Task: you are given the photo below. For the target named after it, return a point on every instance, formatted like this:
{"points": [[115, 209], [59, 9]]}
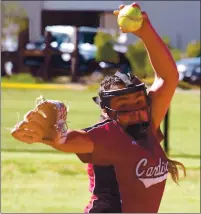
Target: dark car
{"points": [[194, 76], [62, 41], [189, 70]]}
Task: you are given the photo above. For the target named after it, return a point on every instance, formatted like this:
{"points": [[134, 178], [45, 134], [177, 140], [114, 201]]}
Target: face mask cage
{"points": [[105, 97], [121, 113], [137, 111]]}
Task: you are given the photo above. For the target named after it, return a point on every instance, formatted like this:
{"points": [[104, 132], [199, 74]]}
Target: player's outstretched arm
{"points": [[77, 141], [46, 123]]}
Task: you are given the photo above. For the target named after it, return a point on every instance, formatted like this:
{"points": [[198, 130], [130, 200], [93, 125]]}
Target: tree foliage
{"points": [[105, 51], [15, 18], [193, 49]]}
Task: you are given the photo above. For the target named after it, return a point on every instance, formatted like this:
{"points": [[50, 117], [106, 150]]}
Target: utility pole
{"points": [[75, 58], [166, 131]]}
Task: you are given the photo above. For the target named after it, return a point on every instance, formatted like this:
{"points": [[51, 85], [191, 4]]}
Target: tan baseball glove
{"points": [[46, 122]]}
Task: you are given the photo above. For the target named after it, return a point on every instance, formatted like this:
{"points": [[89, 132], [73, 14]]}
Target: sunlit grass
{"points": [[44, 180]]}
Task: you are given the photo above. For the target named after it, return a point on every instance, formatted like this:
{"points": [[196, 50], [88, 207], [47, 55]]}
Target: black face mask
{"points": [[138, 131]]}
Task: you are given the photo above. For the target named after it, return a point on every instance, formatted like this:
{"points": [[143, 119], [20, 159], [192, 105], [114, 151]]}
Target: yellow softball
{"points": [[130, 18]]}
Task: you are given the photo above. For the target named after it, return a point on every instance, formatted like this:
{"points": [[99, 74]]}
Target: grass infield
{"points": [[36, 178]]}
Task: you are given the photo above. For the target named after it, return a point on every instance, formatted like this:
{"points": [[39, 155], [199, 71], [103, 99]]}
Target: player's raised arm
{"points": [[47, 124], [166, 74]]}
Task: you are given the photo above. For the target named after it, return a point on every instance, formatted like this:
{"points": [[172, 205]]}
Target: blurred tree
{"points": [[14, 19], [148, 68], [193, 49], [104, 44], [167, 41], [176, 53], [136, 54]]}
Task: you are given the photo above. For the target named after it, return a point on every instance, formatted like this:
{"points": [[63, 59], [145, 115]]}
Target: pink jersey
{"points": [[141, 174]]}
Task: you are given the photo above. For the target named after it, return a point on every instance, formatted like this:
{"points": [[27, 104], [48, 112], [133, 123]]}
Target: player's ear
{"points": [[104, 113]]}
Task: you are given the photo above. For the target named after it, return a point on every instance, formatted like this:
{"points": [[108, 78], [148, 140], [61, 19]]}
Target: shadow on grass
{"points": [[182, 155]]}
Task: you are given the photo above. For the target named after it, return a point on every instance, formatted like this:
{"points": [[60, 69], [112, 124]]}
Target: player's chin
{"points": [[136, 122], [132, 121], [126, 123]]}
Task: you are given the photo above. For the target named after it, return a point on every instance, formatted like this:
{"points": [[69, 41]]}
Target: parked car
{"points": [[63, 42], [189, 70]]}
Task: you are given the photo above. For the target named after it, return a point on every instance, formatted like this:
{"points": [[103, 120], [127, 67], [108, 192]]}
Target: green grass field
{"points": [[36, 178]]}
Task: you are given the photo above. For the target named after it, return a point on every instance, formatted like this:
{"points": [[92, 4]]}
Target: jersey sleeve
{"points": [[85, 158], [103, 137]]}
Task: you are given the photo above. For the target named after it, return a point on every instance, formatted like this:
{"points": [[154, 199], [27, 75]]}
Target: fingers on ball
{"points": [[134, 4], [121, 6], [116, 12]]}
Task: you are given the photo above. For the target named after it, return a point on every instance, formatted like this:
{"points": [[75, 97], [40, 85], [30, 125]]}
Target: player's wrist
{"points": [[47, 141], [146, 32], [59, 137]]}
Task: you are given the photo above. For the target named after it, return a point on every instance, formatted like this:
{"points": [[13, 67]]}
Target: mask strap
{"points": [[124, 78]]}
